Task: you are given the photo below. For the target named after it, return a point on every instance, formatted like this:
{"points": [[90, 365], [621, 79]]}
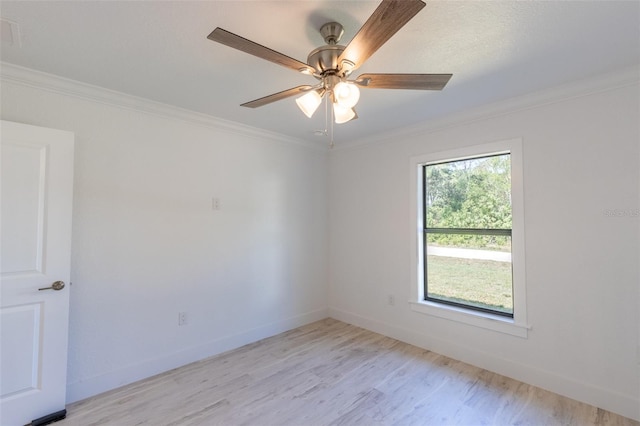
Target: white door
{"points": [[35, 232]]}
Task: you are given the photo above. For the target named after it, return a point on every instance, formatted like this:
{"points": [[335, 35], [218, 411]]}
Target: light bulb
{"points": [[342, 114], [346, 94], [309, 102]]}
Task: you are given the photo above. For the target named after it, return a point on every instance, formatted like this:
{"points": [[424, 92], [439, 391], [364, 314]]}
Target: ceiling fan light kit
{"points": [[332, 64], [309, 102], [346, 94], [342, 114]]}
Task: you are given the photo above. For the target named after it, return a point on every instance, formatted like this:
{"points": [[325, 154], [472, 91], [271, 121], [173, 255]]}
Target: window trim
{"points": [[517, 325]]}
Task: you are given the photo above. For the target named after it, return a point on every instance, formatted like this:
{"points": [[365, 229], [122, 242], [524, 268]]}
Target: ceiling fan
{"points": [[332, 64]]}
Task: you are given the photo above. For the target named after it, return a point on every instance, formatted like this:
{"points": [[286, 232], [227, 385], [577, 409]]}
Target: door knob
{"points": [[58, 285]]}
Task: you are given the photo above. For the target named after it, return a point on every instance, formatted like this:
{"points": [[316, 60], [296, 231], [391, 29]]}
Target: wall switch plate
{"points": [[182, 318], [215, 203]]}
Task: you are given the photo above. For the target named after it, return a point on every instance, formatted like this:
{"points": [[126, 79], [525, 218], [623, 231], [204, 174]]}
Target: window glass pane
{"points": [[473, 193], [479, 277]]}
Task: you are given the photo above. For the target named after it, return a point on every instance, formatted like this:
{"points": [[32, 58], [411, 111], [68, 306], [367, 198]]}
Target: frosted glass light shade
{"points": [[342, 114], [346, 94], [309, 103]]}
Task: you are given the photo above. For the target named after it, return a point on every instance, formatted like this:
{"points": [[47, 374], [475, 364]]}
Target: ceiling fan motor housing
{"points": [[325, 59]]}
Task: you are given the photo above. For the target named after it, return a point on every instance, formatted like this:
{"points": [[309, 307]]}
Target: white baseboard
{"points": [[624, 405], [114, 379]]}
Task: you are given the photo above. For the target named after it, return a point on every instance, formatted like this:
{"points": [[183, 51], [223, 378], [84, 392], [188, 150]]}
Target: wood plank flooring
{"points": [[332, 373]]}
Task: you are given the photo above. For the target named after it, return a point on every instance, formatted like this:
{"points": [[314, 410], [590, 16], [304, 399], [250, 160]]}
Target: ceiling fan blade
{"points": [[403, 81], [277, 96], [386, 20], [240, 43]]}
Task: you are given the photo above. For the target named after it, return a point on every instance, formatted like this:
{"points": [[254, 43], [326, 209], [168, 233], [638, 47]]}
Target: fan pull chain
{"points": [[328, 131], [331, 144], [326, 115]]}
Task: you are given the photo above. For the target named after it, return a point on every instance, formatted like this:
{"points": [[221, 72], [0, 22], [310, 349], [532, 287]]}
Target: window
{"points": [[468, 251], [467, 237]]}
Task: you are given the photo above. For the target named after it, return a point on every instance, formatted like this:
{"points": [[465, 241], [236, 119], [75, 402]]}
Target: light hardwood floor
{"points": [[332, 373]]}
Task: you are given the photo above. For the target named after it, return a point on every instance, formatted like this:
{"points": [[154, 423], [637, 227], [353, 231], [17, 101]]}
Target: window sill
{"points": [[474, 318]]}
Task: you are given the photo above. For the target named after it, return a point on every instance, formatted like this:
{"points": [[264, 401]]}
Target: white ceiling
{"points": [[158, 50]]}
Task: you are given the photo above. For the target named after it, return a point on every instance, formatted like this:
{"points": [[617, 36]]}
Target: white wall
{"points": [[147, 244], [581, 158]]}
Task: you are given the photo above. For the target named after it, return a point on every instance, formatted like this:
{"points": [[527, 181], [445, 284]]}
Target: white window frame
{"points": [[516, 326]]}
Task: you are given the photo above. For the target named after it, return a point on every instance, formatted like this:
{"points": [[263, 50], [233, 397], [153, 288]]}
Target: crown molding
{"points": [[15, 74], [625, 77]]}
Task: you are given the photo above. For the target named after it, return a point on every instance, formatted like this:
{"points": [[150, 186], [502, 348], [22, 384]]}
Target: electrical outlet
{"points": [[215, 203], [391, 300], [182, 318]]}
